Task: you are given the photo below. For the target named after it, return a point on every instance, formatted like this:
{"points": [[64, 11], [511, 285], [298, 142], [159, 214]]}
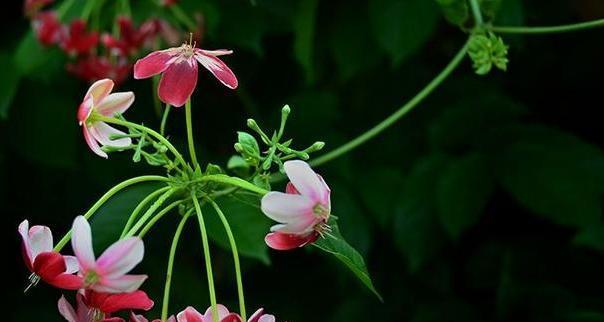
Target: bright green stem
{"points": [[106, 197], [477, 13], [140, 208], [234, 181], [157, 217], [90, 4], [149, 131], [371, 133], [126, 8], [190, 133], [227, 228], [166, 301], [164, 119], [208, 259], [160, 201], [548, 30]]}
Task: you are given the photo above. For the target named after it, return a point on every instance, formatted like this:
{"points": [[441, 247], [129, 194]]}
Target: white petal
{"points": [[305, 180], [103, 132], [115, 103], [99, 90], [71, 264], [123, 284], [285, 208], [81, 242], [67, 310], [121, 257], [24, 232], [40, 240]]}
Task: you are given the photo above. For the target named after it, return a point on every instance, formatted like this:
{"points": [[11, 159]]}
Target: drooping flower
{"points": [[190, 314], [32, 7], [108, 273], [44, 263], [131, 39], [77, 40], [302, 212], [83, 313], [48, 28], [140, 318], [178, 66], [93, 68], [98, 100]]}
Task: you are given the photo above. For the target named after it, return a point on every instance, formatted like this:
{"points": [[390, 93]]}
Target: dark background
{"points": [[484, 204]]}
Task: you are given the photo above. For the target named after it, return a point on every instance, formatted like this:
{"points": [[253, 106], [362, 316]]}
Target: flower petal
{"points": [[115, 103], [67, 281], [281, 241], [222, 313], [284, 208], [231, 317], [121, 257], [305, 180], [178, 83], [84, 110], [256, 316], [25, 246], [71, 264], [110, 303], [40, 240], [267, 318], [153, 64], [190, 314], [67, 310], [99, 90], [103, 132], [92, 143], [217, 52], [137, 318], [123, 284], [81, 242], [217, 67]]}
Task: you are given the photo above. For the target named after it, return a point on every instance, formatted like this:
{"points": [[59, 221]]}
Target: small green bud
{"points": [[251, 123], [316, 146], [487, 50], [285, 110], [238, 147]]}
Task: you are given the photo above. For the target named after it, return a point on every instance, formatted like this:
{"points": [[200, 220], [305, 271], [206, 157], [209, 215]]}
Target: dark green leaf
{"points": [[9, 78], [304, 31], [381, 202]]}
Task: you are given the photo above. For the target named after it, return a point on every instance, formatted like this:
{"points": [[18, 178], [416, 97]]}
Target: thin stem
{"points": [[234, 181], [157, 217], [190, 133], [166, 300], [126, 8], [227, 228], [208, 259], [140, 207], [160, 201], [106, 197], [479, 21], [88, 9], [164, 119], [550, 29], [371, 133]]}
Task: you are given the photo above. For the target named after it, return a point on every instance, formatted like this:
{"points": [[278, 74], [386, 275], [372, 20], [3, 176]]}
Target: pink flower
{"points": [[140, 318], [131, 38], [98, 100], [107, 274], [303, 211], [46, 264], [48, 28], [83, 313], [190, 314], [259, 316], [179, 68], [77, 41]]}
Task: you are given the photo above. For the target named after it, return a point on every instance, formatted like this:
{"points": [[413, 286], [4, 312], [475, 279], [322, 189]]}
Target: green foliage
{"points": [[455, 11], [10, 82], [304, 30]]}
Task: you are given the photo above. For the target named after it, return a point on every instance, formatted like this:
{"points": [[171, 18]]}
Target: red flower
{"points": [[98, 307], [131, 39], [47, 28], [32, 7], [93, 68], [77, 41], [179, 68]]}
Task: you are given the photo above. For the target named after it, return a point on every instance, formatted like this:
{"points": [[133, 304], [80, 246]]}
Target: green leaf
{"points": [[380, 205], [248, 223], [402, 27], [455, 11], [249, 143], [9, 78], [337, 246], [463, 192], [33, 60], [304, 36]]}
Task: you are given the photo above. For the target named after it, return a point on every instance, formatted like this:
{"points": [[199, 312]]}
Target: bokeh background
{"points": [[483, 204]]}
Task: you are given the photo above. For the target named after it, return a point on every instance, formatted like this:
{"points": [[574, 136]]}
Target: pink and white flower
{"points": [[46, 264], [178, 66], [259, 316], [190, 314], [96, 307], [302, 212], [99, 100], [108, 273]]}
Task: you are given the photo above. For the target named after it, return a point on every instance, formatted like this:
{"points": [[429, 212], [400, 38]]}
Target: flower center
{"points": [[91, 278], [188, 49], [97, 315], [321, 211]]}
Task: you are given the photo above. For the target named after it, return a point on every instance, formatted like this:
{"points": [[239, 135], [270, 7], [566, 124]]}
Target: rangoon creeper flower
{"points": [[94, 307], [98, 100], [107, 274], [259, 316], [190, 314], [179, 68], [140, 318], [303, 211], [46, 264]]}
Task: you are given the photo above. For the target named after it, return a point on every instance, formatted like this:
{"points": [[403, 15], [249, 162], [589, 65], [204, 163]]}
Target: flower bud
{"points": [[487, 50]]}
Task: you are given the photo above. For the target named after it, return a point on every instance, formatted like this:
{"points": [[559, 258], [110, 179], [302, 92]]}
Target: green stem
{"points": [[140, 207], [547, 30], [233, 244], [139, 127], [64, 8], [90, 4], [479, 21], [126, 8], [208, 259], [234, 181], [190, 133], [371, 133], [106, 197], [166, 300], [164, 119], [160, 201], [157, 217]]}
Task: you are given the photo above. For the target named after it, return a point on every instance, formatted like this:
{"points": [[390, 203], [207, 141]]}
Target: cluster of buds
{"points": [[487, 50]]}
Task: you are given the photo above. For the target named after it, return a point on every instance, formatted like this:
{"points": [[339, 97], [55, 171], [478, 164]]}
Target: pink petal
{"points": [[67, 310], [92, 143], [99, 90], [281, 241], [24, 232], [284, 208], [84, 312], [178, 82], [222, 312], [153, 64], [123, 284], [305, 180], [267, 318], [40, 240], [190, 314], [84, 110], [232, 317], [103, 132], [256, 316], [81, 242], [115, 103], [67, 281], [110, 303], [217, 67], [217, 52], [71, 264], [121, 257], [137, 318]]}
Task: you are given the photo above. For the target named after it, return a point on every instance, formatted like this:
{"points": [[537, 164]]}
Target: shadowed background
{"points": [[484, 204]]}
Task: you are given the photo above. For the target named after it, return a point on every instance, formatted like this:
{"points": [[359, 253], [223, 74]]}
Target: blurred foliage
{"points": [[484, 204]]}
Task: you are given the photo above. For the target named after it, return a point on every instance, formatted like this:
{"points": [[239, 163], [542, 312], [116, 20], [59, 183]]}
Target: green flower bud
{"points": [[487, 50]]}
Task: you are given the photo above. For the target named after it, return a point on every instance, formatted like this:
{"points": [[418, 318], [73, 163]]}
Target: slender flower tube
{"points": [[46, 264], [99, 100], [178, 66], [108, 273], [302, 211]]}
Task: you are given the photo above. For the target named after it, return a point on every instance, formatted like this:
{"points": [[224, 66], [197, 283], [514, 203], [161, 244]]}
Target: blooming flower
{"points": [[303, 211], [98, 100], [48, 28], [92, 306], [83, 313], [179, 68], [131, 39], [259, 316], [190, 314], [46, 264], [77, 41], [107, 274]]}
